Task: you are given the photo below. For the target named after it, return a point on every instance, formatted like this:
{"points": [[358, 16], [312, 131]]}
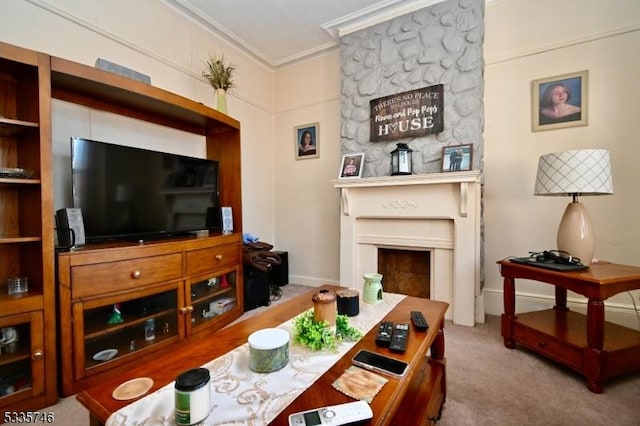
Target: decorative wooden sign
{"points": [[409, 114]]}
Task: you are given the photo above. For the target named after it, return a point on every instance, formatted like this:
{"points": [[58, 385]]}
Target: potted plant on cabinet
{"points": [[220, 76]]}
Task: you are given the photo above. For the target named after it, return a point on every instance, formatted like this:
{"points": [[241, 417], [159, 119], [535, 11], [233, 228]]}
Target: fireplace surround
{"points": [[437, 212]]}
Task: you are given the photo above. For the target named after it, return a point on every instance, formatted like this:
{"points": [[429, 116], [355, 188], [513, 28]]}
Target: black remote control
{"points": [[418, 320], [383, 338], [399, 338]]}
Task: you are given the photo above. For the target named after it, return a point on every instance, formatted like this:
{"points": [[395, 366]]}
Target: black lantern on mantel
{"points": [[401, 162]]}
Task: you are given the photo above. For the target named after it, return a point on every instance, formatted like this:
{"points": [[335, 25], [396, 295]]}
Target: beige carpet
{"points": [[488, 384]]}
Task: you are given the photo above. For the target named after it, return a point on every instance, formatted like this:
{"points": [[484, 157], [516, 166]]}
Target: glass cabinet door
{"points": [[211, 296], [114, 331], [22, 356]]}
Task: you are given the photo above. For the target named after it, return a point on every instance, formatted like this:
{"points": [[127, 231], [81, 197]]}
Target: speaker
{"points": [[279, 274], [256, 289], [70, 228], [212, 221], [227, 220]]}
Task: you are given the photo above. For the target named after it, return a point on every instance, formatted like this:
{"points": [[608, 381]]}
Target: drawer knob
{"points": [[136, 274], [218, 257], [186, 310], [542, 344], [37, 355]]}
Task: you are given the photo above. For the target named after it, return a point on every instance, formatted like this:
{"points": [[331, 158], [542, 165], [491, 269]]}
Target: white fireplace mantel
{"points": [[437, 212]]}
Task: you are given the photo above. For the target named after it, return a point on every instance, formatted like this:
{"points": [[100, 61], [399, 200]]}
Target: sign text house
{"points": [[409, 114]]}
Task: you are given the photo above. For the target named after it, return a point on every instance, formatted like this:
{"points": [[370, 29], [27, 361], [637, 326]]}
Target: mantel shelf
{"points": [[423, 179]]}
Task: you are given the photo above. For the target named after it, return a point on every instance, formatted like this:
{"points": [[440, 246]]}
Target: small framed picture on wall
{"points": [[306, 139], [559, 101], [351, 165], [457, 158]]}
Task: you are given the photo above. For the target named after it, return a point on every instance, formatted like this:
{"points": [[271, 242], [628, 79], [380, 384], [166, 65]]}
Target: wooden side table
{"points": [[591, 346]]}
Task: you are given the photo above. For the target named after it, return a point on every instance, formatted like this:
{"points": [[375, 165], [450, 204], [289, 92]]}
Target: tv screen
{"points": [[133, 193]]}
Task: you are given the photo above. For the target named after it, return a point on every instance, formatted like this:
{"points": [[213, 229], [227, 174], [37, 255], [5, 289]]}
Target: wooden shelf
{"points": [[14, 240], [213, 294], [571, 327], [96, 329], [124, 353], [20, 355], [19, 181], [10, 127], [94, 87], [32, 300]]}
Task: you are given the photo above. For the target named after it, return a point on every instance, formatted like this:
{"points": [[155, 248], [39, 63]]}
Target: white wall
{"points": [[527, 40], [307, 212]]}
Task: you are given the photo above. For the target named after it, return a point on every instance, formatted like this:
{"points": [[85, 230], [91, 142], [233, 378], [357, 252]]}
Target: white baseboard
{"points": [[617, 313], [311, 281]]}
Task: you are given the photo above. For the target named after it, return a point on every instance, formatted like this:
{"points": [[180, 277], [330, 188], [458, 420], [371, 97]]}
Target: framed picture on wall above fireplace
{"points": [[559, 101], [306, 138]]}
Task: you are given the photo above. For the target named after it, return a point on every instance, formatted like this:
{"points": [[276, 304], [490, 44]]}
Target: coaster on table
{"points": [[132, 388], [359, 383]]}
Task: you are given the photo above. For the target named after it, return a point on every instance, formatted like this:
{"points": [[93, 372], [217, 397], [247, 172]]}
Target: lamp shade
{"points": [[579, 172]]}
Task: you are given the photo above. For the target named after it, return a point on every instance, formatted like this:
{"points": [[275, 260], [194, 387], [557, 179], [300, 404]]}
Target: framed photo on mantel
{"points": [[457, 158], [352, 165]]}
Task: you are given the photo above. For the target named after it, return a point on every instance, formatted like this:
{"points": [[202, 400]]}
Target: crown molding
{"points": [[373, 15]]}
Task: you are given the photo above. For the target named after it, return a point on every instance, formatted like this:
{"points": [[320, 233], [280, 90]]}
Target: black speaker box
{"points": [[70, 227], [279, 274], [256, 289]]}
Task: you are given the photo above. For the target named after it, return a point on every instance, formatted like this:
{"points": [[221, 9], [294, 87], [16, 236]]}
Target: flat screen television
{"points": [[128, 193]]}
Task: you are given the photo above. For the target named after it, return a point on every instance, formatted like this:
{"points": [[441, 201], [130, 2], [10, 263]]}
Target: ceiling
{"points": [[278, 32]]}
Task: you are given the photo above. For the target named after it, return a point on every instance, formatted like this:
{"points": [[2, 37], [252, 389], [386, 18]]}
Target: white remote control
{"points": [[341, 414]]}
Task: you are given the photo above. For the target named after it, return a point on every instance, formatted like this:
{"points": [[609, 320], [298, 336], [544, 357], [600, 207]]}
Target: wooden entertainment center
{"points": [[184, 276]]}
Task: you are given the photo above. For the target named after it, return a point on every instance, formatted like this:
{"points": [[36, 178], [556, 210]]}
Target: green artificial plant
{"points": [[318, 336]]}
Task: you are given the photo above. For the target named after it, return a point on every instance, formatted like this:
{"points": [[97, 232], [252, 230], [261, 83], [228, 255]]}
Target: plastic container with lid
{"points": [[192, 396], [268, 350]]}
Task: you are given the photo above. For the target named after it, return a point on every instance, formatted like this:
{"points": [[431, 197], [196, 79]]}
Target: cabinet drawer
{"points": [[109, 277], [565, 353], [200, 261]]}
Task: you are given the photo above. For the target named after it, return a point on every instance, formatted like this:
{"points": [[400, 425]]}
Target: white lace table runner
{"points": [[240, 396]]}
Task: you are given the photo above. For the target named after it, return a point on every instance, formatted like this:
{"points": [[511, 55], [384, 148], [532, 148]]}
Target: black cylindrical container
{"points": [[348, 302]]}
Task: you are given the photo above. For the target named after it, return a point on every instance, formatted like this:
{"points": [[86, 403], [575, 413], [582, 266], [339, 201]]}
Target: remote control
{"points": [[341, 414], [399, 338], [418, 320], [385, 330]]}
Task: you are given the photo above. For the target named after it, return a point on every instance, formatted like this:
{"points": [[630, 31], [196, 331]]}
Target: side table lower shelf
{"points": [[562, 336]]}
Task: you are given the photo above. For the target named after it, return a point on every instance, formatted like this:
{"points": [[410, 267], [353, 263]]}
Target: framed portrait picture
{"points": [[351, 165], [306, 138], [559, 101], [457, 158]]}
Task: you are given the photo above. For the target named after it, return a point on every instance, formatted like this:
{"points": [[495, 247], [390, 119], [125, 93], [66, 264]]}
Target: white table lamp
{"points": [[575, 173]]}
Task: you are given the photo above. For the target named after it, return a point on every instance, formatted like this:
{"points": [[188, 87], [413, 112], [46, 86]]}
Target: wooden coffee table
{"points": [[418, 396]]}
